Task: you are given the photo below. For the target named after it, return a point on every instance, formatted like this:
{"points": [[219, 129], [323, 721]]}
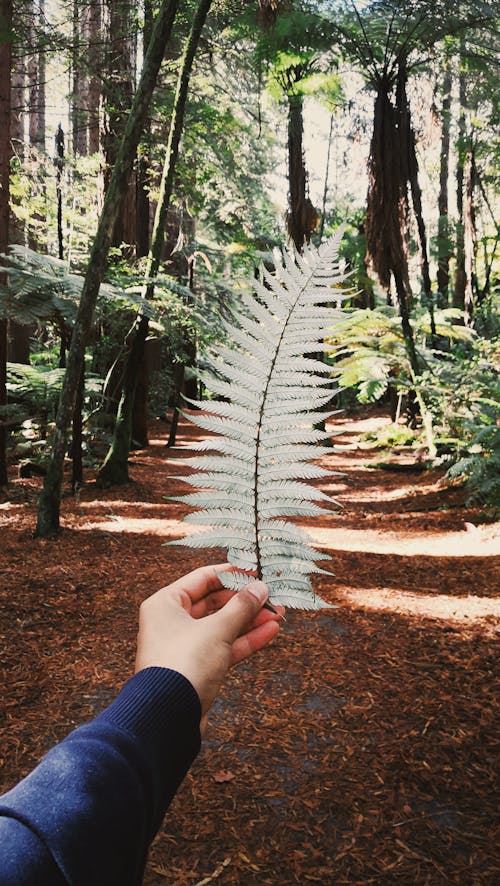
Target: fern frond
{"points": [[275, 390]]}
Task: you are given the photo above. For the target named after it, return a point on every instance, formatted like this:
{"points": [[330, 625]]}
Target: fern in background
{"points": [[273, 395]]}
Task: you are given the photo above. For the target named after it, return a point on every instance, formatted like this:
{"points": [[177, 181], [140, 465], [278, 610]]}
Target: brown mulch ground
{"points": [[361, 748]]}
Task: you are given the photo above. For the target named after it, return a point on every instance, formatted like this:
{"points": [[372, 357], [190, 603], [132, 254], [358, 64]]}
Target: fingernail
{"points": [[259, 590]]}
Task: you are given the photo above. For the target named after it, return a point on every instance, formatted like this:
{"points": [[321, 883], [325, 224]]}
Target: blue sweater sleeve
{"points": [[89, 811]]}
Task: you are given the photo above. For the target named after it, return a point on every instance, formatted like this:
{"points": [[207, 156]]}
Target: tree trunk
{"points": [[114, 468], [140, 437], [79, 103], [143, 162], [77, 436], [460, 276], [387, 202], [470, 238], [18, 90], [49, 505], [94, 82], [416, 193], [5, 95], [59, 164], [443, 272], [118, 91], [387, 199], [36, 75], [301, 217]]}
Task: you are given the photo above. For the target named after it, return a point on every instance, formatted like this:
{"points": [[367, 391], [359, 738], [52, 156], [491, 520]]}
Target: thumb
{"points": [[238, 614]]}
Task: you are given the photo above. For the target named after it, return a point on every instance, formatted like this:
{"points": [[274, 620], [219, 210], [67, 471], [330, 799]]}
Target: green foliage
{"points": [[464, 394], [392, 435], [371, 353], [40, 288]]}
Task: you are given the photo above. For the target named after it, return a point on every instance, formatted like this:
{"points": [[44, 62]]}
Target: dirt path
{"points": [[359, 749]]}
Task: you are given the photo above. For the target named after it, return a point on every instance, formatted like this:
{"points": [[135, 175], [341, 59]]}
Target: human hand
{"points": [[199, 629]]}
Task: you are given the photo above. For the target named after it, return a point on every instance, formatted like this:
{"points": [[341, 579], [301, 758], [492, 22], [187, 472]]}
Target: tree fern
{"points": [[274, 394]]}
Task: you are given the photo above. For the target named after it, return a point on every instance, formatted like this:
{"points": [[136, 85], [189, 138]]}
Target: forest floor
{"points": [[360, 748]]}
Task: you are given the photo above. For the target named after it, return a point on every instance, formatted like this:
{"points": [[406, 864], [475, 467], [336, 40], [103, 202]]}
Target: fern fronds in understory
{"points": [[274, 394]]}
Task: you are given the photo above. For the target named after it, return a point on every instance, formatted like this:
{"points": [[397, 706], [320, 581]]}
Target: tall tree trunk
{"points": [[143, 162], [443, 272], [94, 81], [59, 164], [18, 335], [79, 98], [18, 90], [36, 75], [114, 469], [460, 276], [416, 194], [470, 238], [49, 504], [36, 119], [118, 91], [77, 436], [5, 95]]}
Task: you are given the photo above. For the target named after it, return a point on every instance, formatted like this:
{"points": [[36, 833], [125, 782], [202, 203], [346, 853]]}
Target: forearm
{"points": [[96, 800]]}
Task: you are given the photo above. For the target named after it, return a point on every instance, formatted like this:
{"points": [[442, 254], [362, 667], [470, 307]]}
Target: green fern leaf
{"points": [[265, 435]]}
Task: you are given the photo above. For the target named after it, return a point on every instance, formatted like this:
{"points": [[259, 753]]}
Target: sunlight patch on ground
{"points": [[480, 541], [462, 609], [112, 504], [401, 492], [137, 525]]}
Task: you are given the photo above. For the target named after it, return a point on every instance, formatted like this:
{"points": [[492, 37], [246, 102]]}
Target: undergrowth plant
{"points": [[274, 390]]}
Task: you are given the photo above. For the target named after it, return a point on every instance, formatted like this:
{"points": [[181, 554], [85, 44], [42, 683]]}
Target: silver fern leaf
{"points": [[265, 436]]}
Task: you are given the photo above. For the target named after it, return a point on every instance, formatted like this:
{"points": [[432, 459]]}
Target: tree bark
{"points": [[18, 89], [114, 469], [470, 238], [460, 276], [118, 91], [302, 217], [77, 436], [143, 162], [36, 75], [94, 83], [5, 95], [443, 272], [416, 194], [79, 103], [49, 505]]}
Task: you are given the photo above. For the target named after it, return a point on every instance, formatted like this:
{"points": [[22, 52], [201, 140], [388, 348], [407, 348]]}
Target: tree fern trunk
{"points": [[49, 505]]}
